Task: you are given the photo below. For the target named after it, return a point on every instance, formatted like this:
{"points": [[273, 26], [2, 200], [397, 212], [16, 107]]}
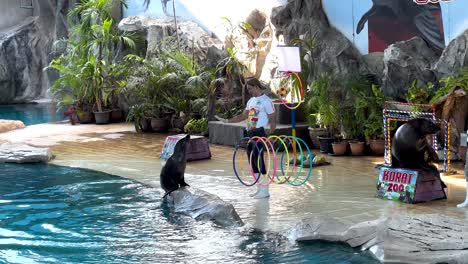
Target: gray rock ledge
{"points": [[202, 205], [22, 153], [404, 239]]}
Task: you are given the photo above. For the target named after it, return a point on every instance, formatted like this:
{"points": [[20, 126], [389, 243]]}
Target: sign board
{"points": [[289, 58], [169, 144], [397, 184]]}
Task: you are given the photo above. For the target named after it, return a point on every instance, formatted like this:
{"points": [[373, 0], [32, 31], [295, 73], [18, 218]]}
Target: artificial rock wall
{"points": [[26, 47]]}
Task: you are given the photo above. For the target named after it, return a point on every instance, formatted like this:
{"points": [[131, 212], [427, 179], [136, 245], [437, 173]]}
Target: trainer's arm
{"points": [[239, 118], [272, 119]]}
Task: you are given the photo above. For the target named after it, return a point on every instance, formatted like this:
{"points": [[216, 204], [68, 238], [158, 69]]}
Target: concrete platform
{"points": [[230, 133]]}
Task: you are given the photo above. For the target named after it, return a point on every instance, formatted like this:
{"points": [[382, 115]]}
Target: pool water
{"points": [[31, 114], [52, 214]]}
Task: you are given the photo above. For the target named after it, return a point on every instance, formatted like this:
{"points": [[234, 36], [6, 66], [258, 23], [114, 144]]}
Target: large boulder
{"points": [[254, 44], [405, 62], [333, 52], [403, 239], [21, 63], [374, 66], [8, 125], [202, 205], [192, 38], [22, 153], [454, 57]]}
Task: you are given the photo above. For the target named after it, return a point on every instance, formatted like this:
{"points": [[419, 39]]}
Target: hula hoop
{"points": [[289, 161], [272, 177], [282, 157], [234, 164], [268, 143], [301, 92], [298, 174], [302, 163]]}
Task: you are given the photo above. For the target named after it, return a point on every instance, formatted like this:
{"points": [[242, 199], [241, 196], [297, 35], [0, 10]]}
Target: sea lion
{"points": [[410, 148], [172, 173]]}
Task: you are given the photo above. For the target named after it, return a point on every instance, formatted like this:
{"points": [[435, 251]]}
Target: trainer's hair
{"points": [[254, 82]]}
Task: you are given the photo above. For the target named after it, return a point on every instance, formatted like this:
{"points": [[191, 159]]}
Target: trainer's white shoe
{"points": [[262, 192]]}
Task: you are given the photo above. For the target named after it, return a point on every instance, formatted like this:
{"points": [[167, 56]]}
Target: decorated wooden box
{"points": [[197, 149], [409, 186]]}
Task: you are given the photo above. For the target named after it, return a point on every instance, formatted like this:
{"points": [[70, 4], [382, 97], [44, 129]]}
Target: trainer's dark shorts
{"points": [[257, 151]]}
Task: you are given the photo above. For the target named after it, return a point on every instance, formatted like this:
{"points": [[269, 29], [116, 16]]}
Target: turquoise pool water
{"points": [[31, 114], [51, 214]]}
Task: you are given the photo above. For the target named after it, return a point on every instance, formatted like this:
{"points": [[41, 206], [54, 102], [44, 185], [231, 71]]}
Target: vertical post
{"points": [[293, 126]]}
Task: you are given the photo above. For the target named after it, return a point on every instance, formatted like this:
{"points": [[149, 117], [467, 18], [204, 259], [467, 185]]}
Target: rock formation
{"points": [[254, 44], [8, 125], [193, 39], [201, 205], [25, 51], [403, 239], [454, 57], [22, 153], [21, 63], [333, 52], [405, 62]]}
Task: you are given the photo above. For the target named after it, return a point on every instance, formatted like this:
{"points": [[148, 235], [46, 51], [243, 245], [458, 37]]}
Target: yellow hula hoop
{"points": [[287, 157]]}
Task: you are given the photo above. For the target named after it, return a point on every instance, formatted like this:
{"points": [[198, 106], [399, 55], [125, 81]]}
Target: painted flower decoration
{"points": [[283, 92]]}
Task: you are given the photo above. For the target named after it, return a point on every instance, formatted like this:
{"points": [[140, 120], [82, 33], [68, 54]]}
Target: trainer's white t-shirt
{"points": [[259, 108]]}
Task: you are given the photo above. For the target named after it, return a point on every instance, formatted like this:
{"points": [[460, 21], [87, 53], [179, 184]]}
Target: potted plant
{"points": [[67, 90], [139, 114], [93, 45], [159, 118], [321, 101], [369, 105], [352, 123], [102, 43], [160, 84], [315, 130]]}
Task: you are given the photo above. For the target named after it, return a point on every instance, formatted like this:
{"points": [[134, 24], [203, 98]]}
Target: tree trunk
{"points": [[455, 111], [211, 106]]}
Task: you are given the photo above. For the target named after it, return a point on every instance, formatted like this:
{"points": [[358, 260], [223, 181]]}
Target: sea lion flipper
{"points": [[169, 192], [183, 183], [364, 18]]}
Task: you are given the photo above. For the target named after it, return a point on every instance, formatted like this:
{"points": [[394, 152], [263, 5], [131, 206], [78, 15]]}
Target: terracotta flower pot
{"points": [[377, 146], [357, 148], [339, 148]]}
